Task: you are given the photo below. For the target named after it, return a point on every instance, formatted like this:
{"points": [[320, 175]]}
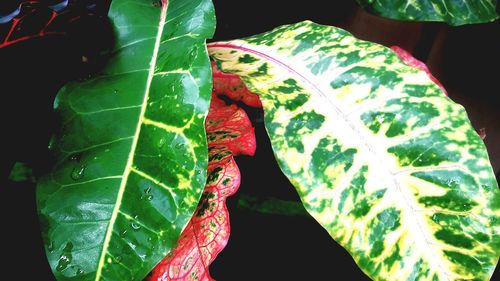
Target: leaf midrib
{"points": [[343, 116], [128, 166]]}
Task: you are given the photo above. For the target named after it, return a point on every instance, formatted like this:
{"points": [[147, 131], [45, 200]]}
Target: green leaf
{"points": [[454, 12], [380, 157], [271, 206], [229, 133], [132, 152], [21, 172]]}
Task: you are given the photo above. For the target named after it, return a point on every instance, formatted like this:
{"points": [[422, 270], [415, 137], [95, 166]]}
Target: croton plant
{"points": [[379, 155]]}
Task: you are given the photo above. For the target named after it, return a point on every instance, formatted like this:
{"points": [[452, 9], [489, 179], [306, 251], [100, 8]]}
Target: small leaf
{"points": [[454, 12], [21, 173], [272, 206], [131, 154], [380, 157], [229, 133]]}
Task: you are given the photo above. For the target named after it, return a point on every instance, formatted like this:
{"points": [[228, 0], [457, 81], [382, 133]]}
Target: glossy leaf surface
{"points": [[131, 153], [410, 60], [229, 133], [230, 85], [454, 12], [380, 157]]}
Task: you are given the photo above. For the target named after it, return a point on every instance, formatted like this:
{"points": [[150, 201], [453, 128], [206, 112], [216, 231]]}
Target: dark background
{"points": [[262, 246]]}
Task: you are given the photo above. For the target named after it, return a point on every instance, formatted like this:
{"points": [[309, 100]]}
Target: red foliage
{"points": [[231, 86], [35, 19], [229, 133], [410, 60]]}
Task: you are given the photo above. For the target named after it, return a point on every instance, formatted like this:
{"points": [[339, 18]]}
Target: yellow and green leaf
{"points": [[132, 151], [380, 156], [453, 12]]}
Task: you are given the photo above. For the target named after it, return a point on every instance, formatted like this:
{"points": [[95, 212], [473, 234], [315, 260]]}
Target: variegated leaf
{"points": [[380, 157], [454, 12], [229, 133], [131, 152], [410, 60], [231, 86]]}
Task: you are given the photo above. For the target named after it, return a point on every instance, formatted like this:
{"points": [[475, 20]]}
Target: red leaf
{"points": [[410, 60], [229, 133], [231, 86], [34, 19]]}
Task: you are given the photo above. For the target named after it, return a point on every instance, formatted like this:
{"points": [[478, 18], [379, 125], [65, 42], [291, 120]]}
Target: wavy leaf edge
{"points": [[379, 91]]}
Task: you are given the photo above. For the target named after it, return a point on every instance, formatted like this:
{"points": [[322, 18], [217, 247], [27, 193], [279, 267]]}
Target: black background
{"points": [[261, 246]]}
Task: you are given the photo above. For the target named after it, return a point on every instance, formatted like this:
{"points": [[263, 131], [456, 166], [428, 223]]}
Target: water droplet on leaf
{"points": [[156, 3], [135, 226], [80, 271], [63, 263], [51, 142], [162, 142], [50, 247], [65, 258], [76, 157], [193, 53], [147, 195], [78, 172]]}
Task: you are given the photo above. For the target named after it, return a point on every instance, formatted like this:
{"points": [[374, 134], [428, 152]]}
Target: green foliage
{"points": [[21, 173], [453, 12], [132, 152], [379, 155]]}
